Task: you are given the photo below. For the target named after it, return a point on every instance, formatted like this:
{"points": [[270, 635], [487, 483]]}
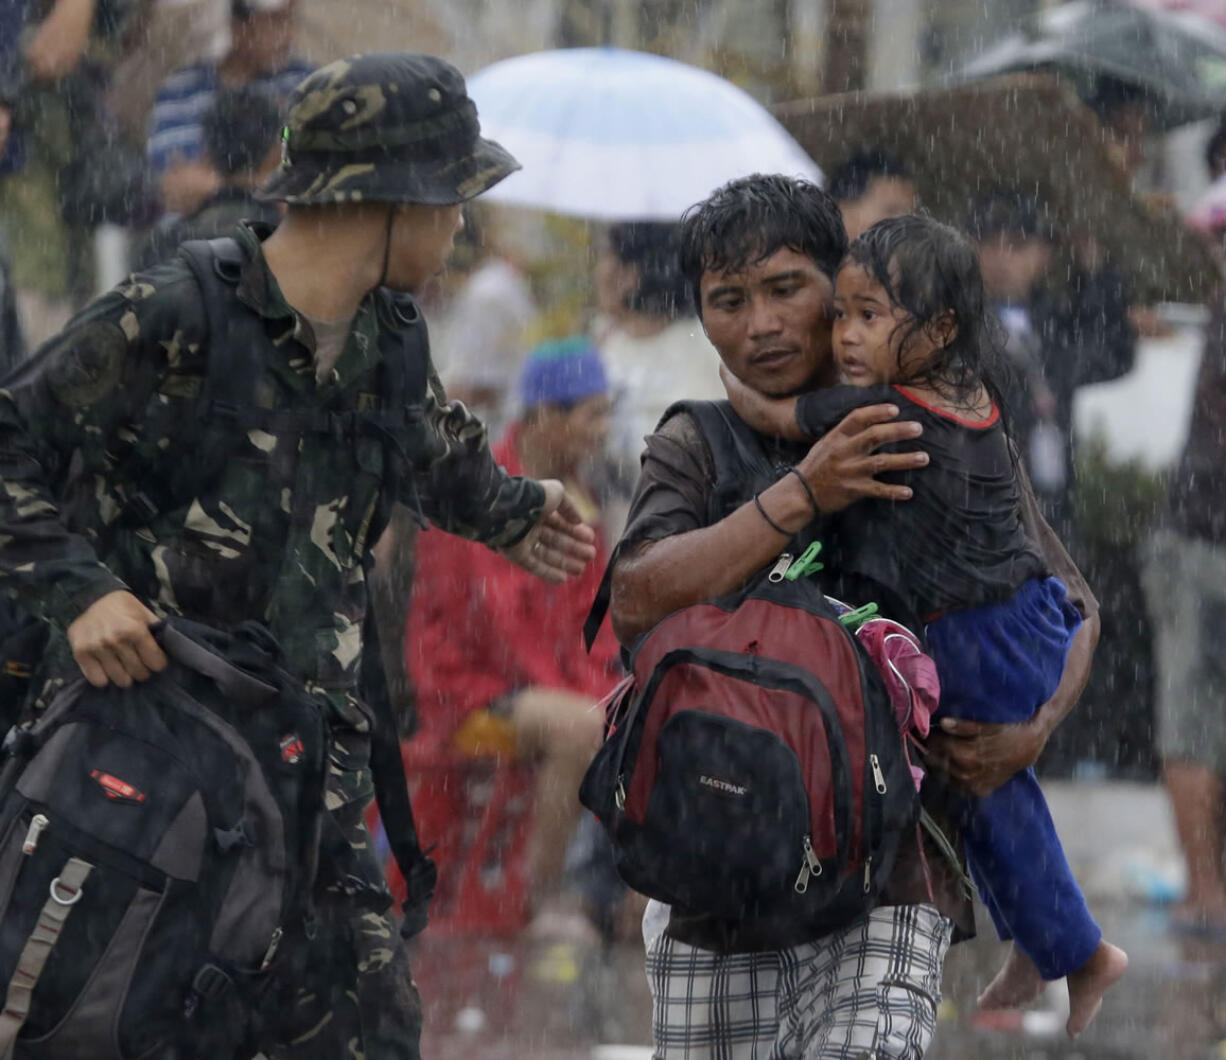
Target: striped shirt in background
{"points": [[176, 125]]}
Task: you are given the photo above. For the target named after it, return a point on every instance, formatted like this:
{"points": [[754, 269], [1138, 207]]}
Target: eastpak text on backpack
{"points": [[753, 767]]}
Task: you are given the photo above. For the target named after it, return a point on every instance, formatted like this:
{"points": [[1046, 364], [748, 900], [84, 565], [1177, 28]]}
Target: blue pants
{"points": [[999, 663]]}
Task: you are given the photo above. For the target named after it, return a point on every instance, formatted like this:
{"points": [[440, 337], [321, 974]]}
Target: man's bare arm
{"points": [[663, 576]]}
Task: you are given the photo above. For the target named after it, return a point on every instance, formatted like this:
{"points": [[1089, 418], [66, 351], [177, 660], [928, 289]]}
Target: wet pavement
{"points": [[487, 999], [496, 1000]]}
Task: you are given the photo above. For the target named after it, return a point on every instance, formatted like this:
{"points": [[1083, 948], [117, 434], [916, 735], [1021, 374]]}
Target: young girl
{"points": [[910, 329]]}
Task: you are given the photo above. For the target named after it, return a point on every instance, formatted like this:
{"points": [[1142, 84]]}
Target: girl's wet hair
{"points": [[930, 270]]}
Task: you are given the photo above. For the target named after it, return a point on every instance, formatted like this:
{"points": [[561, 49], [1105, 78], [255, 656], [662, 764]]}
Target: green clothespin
{"points": [[807, 563], [853, 620]]}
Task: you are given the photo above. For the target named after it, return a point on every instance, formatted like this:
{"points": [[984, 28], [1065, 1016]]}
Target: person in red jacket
{"points": [[497, 657]]}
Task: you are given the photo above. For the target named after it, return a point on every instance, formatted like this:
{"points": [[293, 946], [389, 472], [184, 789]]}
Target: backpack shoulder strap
{"points": [[742, 468], [404, 344], [392, 787], [217, 265]]}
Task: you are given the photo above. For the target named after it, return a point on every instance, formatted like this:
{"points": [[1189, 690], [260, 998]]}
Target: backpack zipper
{"points": [[38, 824], [868, 873], [780, 568], [878, 776], [271, 952], [810, 866]]}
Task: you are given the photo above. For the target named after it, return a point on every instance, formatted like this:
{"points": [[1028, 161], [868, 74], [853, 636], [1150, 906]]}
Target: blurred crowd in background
{"points": [[127, 126]]}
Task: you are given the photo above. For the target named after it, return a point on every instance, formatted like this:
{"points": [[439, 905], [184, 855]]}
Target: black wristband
{"points": [[817, 510], [757, 500]]}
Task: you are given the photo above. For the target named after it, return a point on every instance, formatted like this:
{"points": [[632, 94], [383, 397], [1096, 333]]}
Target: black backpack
{"points": [[753, 768], [158, 850]]}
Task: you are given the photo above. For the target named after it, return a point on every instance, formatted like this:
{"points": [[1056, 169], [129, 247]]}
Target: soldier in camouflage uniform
{"points": [[380, 150]]}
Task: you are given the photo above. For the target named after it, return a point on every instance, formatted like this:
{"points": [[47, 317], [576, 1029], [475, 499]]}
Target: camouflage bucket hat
{"points": [[385, 127]]}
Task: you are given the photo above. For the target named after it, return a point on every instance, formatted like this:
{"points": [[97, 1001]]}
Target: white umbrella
{"points": [[611, 134]]}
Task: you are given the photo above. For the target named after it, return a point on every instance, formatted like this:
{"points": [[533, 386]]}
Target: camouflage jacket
{"points": [[279, 534]]}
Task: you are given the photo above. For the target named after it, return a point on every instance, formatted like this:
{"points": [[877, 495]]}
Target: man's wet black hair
{"points": [[650, 247], [850, 180], [240, 129], [748, 220], [930, 270]]}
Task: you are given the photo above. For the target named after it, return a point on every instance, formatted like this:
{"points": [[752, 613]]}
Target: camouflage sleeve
{"points": [[462, 489], [72, 404]]}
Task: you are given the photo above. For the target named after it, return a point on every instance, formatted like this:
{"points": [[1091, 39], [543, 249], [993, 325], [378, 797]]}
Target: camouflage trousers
{"points": [[358, 1001], [349, 993]]}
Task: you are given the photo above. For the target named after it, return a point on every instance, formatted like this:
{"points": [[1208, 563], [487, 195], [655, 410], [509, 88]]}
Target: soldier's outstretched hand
{"points": [[561, 544], [112, 642]]}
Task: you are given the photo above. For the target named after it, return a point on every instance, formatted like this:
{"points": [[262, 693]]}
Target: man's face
{"points": [[422, 239], [884, 197], [771, 322], [615, 282], [265, 37], [1012, 265], [577, 432]]}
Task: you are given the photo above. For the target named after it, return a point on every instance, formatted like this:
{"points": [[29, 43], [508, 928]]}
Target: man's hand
{"points": [[60, 41], [980, 756], [774, 417], [112, 643], [560, 545], [841, 467], [185, 185]]}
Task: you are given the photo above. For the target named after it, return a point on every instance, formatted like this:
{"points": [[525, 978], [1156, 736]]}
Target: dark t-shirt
{"points": [[1198, 487], [958, 542], [677, 478]]}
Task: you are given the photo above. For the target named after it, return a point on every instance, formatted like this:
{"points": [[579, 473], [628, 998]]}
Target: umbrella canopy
{"points": [[1177, 58], [611, 134], [1028, 133]]}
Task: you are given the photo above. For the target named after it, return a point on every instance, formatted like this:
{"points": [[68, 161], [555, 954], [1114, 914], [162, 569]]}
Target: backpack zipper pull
{"points": [[810, 866], [38, 825], [878, 776], [868, 873], [780, 568], [271, 952], [619, 793]]}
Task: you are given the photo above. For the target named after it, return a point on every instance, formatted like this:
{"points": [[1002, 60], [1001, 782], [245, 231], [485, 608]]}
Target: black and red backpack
{"points": [[752, 765]]}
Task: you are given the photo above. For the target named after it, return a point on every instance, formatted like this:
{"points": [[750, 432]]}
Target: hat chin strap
{"points": [[387, 244]]}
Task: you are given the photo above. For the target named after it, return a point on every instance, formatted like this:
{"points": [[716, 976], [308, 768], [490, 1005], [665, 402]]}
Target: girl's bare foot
{"points": [[1087, 985], [1016, 985]]}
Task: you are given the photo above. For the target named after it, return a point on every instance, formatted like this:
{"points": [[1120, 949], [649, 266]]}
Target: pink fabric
{"points": [[1209, 213], [909, 674], [480, 628]]}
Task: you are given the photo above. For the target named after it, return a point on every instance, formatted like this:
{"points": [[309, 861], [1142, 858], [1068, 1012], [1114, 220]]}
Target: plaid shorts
{"points": [[868, 992]]}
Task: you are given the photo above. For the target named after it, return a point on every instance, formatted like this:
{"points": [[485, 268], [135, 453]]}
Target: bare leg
{"points": [[1016, 985], [562, 731], [1196, 798], [1087, 985]]}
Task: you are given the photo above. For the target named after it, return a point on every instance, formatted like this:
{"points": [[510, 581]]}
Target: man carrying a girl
{"points": [[763, 255]]}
